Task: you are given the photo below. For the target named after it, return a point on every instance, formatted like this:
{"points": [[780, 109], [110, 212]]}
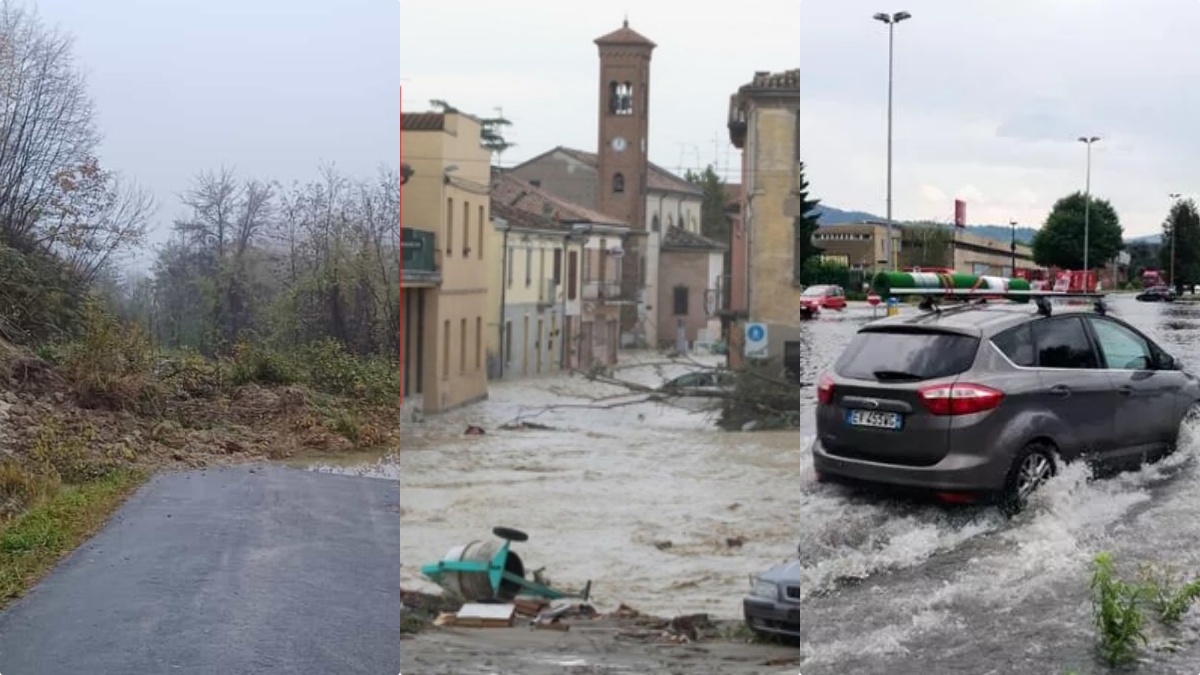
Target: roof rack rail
{"points": [[1042, 299]]}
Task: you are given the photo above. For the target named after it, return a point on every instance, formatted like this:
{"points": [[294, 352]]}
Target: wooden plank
{"points": [[482, 623], [529, 606], [485, 615]]}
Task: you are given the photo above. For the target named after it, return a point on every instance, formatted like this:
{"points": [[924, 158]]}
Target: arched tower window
{"points": [[619, 182], [620, 98], [655, 226]]}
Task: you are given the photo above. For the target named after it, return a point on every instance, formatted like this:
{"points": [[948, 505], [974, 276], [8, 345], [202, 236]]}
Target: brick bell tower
{"points": [[624, 125]]}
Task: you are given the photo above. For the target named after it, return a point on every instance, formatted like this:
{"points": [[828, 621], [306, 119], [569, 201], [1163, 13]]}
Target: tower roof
{"points": [[625, 36]]}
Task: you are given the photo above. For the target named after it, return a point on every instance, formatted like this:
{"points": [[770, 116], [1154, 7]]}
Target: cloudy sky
{"points": [[990, 94], [272, 88]]}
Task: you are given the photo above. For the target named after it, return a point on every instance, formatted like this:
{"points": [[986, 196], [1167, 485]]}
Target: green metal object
{"points": [[485, 571], [885, 282]]}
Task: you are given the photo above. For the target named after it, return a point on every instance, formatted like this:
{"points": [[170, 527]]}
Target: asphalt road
{"points": [[238, 570]]}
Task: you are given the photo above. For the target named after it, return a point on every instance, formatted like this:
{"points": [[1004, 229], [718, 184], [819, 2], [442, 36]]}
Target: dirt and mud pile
{"points": [[191, 421]]}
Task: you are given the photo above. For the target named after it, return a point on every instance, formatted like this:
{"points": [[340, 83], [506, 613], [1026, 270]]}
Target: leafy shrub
{"points": [[253, 363], [110, 363], [191, 375], [333, 370], [38, 298]]}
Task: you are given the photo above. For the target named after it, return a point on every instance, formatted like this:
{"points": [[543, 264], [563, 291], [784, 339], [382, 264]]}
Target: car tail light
{"points": [[825, 390], [960, 399]]}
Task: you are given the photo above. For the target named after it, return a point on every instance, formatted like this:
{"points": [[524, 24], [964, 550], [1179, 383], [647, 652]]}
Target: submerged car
{"points": [[981, 401], [701, 390], [702, 383], [816, 298], [1157, 294], [772, 608]]}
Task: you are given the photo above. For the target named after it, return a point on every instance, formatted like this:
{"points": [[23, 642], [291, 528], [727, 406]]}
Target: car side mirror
{"points": [[1166, 362]]}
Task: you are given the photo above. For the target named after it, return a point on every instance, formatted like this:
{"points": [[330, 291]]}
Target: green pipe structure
{"points": [[884, 282]]}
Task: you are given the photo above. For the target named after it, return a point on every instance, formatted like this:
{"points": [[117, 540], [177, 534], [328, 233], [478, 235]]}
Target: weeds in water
{"points": [[1116, 612], [1168, 593]]}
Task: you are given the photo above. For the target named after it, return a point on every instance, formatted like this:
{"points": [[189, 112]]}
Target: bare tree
{"points": [[93, 217], [213, 199], [46, 123]]}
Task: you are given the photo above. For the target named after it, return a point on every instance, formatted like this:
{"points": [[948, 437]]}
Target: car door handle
{"points": [[1125, 390], [1060, 390]]}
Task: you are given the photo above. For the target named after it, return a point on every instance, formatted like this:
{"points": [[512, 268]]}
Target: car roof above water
{"points": [[975, 319]]}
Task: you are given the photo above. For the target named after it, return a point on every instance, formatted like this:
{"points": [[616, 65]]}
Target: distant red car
{"points": [[816, 298]]}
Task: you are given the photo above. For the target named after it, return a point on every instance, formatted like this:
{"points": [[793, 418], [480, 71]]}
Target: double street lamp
{"points": [[1087, 198], [891, 20]]}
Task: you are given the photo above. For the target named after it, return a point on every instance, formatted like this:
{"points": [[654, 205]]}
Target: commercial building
{"points": [[861, 247]]}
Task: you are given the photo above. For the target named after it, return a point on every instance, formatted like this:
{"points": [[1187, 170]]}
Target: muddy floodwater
{"points": [[650, 502]]}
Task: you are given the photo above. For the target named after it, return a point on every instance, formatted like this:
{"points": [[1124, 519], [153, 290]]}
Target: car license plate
{"points": [[874, 419]]}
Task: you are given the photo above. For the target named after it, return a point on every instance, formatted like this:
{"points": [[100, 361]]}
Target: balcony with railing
{"points": [[601, 289], [724, 300], [418, 258]]}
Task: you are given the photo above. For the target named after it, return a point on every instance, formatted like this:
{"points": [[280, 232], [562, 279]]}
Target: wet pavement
{"points": [[237, 570], [889, 587]]}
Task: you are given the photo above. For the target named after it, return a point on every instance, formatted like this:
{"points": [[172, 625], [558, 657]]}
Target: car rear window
{"points": [[906, 355]]}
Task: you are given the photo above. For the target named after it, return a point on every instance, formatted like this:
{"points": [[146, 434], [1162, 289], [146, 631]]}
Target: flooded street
{"points": [[642, 498]]}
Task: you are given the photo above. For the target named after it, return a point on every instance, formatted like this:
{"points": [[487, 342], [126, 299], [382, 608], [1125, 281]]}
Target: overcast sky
{"points": [[271, 88], [990, 94]]}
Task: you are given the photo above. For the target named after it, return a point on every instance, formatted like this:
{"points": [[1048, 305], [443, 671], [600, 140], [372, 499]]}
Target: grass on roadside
{"points": [[33, 543]]}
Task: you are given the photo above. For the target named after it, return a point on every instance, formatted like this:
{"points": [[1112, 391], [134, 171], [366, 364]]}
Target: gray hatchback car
{"points": [[979, 401]]}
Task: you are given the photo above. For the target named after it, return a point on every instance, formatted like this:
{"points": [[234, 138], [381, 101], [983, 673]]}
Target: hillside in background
{"points": [[834, 216]]}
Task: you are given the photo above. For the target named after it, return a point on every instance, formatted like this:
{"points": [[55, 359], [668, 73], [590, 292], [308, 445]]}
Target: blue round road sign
{"points": [[755, 333]]}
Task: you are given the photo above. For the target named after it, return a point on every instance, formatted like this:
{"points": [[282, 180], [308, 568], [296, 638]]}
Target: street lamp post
{"points": [[891, 20], [1087, 199], [1013, 246], [1174, 197]]}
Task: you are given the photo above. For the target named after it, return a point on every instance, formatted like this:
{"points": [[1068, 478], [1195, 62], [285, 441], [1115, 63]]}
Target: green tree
{"points": [[1143, 255], [926, 244], [714, 222], [1182, 225], [805, 225], [1060, 241]]}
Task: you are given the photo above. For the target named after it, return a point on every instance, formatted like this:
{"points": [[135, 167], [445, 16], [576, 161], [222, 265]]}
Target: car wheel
{"points": [[1031, 468], [1190, 419]]}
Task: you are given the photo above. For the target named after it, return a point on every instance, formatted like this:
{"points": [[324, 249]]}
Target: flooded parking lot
{"points": [[644, 499]]}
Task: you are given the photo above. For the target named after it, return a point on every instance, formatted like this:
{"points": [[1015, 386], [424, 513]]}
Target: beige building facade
{"points": [[858, 246], [764, 123], [688, 296], [560, 278], [445, 232]]}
